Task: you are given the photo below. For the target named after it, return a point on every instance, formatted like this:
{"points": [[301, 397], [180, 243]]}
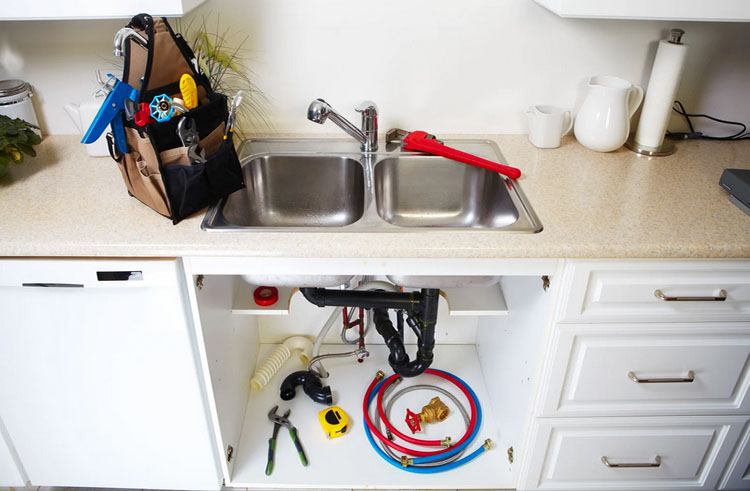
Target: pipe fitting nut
{"points": [[446, 442], [406, 461], [487, 444], [379, 375]]}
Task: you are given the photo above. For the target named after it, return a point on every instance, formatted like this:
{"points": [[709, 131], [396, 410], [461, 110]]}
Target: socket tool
{"points": [[421, 141], [232, 117], [278, 422]]}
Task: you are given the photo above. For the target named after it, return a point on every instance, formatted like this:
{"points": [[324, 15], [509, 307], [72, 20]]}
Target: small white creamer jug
{"points": [[603, 122], [82, 115], [547, 125]]}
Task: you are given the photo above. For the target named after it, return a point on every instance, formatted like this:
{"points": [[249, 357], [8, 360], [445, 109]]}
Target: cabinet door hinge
{"points": [[545, 283], [199, 282], [230, 453], [510, 454]]}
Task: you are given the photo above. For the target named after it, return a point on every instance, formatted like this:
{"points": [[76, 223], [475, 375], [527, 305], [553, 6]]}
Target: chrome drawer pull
{"points": [[633, 465], [690, 378], [660, 295]]}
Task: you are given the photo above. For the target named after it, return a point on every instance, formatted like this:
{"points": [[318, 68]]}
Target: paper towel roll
{"points": [[662, 87]]}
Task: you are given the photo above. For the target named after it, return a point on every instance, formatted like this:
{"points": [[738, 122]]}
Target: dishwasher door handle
{"points": [[52, 285]]}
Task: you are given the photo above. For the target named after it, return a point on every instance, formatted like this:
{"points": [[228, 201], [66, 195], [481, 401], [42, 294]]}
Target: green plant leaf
{"points": [[27, 149], [14, 153], [16, 139], [33, 138]]}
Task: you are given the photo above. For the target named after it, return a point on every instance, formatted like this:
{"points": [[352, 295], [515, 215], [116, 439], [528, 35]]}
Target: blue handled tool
{"points": [[110, 113]]}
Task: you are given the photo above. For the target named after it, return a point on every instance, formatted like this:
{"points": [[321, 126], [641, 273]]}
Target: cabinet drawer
{"points": [[737, 475], [636, 369], [654, 291], [630, 453]]}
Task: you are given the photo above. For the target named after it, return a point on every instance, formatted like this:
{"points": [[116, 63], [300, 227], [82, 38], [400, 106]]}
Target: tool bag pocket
{"points": [[190, 187], [157, 169], [207, 118]]}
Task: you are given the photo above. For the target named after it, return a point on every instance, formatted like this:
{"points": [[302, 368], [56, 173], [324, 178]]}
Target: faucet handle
{"points": [[367, 107]]}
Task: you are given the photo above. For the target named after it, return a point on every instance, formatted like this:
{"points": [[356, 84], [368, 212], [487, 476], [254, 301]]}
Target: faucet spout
{"points": [[320, 111]]}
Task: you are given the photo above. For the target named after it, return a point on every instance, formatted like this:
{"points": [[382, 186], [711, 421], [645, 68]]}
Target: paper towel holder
{"points": [[667, 147]]}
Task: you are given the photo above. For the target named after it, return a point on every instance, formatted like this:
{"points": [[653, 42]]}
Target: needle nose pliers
{"points": [[278, 422]]}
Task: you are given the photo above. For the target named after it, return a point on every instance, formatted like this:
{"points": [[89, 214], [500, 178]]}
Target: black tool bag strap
{"points": [[139, 59], [157, 67]]}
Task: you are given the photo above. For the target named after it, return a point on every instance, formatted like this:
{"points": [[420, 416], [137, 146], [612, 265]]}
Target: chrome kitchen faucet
{"points": [[319, 111]]}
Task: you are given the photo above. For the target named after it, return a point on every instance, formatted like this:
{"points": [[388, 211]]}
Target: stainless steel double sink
{"points": [[330, 185]]}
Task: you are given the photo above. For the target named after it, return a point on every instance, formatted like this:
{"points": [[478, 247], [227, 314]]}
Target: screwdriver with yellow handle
{"points": [[189, 91]]}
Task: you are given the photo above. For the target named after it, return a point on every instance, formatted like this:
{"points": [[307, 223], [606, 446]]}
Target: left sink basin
{"points": [[297, 191]]}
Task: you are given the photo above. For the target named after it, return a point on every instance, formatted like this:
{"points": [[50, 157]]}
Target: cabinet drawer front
{"points": [[656, 369], [631, 453], [666, 291], [737, 475]]}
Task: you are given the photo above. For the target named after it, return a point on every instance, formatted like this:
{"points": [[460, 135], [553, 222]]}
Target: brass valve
{"points": [[433, 412]]}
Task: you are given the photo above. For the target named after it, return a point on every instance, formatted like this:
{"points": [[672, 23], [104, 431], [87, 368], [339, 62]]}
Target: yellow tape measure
{"points": [[334, 420]]}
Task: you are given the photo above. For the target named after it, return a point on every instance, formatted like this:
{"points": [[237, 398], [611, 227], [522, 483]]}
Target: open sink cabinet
{"points": [[496, 349], [134, 373]]}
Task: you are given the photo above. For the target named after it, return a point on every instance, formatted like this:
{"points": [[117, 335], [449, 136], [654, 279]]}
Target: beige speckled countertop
{"points": [[592, 205]]}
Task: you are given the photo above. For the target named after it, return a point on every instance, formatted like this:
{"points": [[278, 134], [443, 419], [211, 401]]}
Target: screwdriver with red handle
{"points": [[421, 141]]}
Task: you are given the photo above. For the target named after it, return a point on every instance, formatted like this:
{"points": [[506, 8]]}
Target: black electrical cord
{"points": [[679, 108]]}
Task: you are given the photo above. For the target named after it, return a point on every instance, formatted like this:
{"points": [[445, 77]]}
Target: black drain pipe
{"points": [[366, 299], [310, 383], [422, 306]]}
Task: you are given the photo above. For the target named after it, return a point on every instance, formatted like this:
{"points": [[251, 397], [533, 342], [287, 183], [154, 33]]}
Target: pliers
{"points": [[188, 133], [278, 422]]}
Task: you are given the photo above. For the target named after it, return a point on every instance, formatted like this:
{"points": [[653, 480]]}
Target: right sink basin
{"points": [[426, 191]]}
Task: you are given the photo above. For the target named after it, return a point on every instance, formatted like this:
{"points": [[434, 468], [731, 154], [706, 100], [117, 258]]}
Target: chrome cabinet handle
{"points": [[690, 378], [720, 298], [52, 285], [633, 465]]}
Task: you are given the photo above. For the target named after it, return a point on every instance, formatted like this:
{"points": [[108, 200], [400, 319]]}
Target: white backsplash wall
{"points": [[448, 66]]}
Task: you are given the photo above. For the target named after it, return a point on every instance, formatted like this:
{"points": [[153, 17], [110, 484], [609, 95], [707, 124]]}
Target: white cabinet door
{"points": [[93, 9], [99, 385], [706, 10], [10, 474]]}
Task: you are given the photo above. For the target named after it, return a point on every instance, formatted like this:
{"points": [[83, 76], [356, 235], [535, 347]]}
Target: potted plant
{"points": [[17, 138]]}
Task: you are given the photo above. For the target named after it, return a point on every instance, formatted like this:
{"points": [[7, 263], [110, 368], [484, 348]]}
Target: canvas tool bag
{"points": [[156, 169]]}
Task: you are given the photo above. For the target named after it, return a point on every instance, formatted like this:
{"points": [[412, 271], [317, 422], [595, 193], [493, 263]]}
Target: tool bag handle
{"points": [[157, 67]]}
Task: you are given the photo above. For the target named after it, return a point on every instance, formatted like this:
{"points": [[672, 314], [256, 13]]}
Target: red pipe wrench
{"points": [[421, 141]]}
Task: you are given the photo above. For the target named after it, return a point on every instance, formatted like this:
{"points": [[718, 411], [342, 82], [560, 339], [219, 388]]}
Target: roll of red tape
{"points": [[266, 296]]}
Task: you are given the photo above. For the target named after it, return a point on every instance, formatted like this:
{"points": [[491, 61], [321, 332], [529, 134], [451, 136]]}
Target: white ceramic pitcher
{"points": [[603, 122], [82, 115]]}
